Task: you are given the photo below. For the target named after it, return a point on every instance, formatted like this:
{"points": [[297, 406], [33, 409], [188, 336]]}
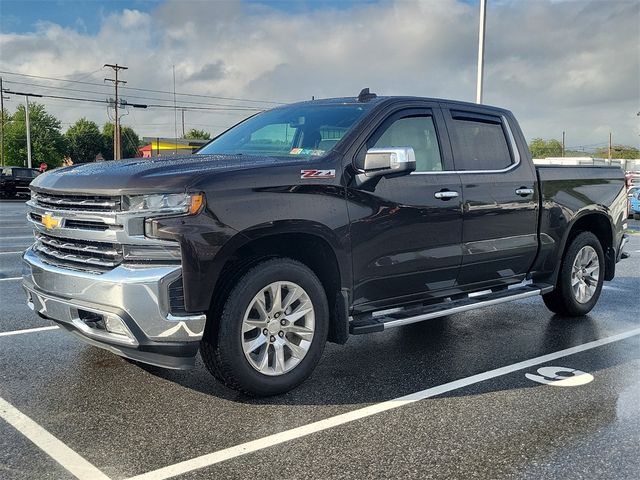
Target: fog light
{"points": [[115, 325], [91, 319]]}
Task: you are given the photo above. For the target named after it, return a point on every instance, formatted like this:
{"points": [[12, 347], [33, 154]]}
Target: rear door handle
{"points": [[445, 194], [524, 192]]}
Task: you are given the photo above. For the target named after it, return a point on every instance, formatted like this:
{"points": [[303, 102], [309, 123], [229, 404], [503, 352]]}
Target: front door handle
{"points": [[445, 194], [524, 192]]}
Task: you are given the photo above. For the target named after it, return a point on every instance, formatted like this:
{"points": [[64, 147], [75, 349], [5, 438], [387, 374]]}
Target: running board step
{"points": [[395, 318]]}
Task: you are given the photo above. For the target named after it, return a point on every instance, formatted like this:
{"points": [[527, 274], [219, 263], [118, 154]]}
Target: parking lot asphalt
{"points": [[443, 399]]}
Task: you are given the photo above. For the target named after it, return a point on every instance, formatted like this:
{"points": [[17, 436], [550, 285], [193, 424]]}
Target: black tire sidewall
{"points": [[230, 337], [580, 241]]}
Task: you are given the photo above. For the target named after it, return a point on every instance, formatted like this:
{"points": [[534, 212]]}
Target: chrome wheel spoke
{"points": [[275, 293], [300, 311], [593, 271], [302, 332], [296, 350], [294, 294], [254, 344], [253, 323], [278, 359], [261, 308], [262, 363]]}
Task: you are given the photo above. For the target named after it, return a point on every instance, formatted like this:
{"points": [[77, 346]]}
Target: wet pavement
{"points": [[126, 419]]}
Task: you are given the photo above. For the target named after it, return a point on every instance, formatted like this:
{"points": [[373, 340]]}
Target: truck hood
{"points": [[144, 175]]}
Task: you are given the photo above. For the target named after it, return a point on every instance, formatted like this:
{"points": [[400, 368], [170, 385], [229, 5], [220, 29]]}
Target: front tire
{"points": [[272, 330], [580, 279]]}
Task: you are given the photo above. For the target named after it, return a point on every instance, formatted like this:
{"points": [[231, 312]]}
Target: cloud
{"points": [[209, 72], [560, 66]]}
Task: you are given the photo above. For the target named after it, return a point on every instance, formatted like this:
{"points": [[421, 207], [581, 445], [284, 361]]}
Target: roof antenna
{"points": [[365, 96]]}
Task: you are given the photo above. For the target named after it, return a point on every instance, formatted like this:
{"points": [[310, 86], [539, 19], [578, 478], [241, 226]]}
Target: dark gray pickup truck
{"points": [[311, 222]]}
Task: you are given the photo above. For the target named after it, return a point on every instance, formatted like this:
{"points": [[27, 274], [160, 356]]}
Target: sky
{"points": [[559, 65]]}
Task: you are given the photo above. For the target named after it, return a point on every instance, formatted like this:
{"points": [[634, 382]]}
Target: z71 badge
{"points": [[317, 174]]}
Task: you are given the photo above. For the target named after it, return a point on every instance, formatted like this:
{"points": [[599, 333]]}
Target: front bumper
{"points": [[132, 298]]}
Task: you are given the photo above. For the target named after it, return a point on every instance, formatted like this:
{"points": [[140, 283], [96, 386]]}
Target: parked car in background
{"points": [[15, 181], [633, 195]]}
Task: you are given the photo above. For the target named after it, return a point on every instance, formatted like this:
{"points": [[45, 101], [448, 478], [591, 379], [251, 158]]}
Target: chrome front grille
{"points": [[78, 202], [79, 253], [93, 233]]}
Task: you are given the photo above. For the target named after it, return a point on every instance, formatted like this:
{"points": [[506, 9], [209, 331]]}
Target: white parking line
{"points": [[7, 253], [10, 278], [331, 422], [28, 330], [18, 237], [69, 459]]}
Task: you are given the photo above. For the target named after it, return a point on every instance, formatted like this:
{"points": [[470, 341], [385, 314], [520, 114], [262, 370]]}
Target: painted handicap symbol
{"points": [[560, 377]]}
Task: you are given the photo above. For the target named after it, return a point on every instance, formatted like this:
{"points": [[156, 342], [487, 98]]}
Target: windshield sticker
{"points": [[312, 173], [306, 151]]}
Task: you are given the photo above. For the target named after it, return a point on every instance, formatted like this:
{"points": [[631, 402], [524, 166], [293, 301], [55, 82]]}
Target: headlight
{"points": [[189, 203]]}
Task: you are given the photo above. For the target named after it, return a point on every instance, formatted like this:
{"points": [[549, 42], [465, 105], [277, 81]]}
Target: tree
{"points": [[48, 145], [545, 148], [85, 141], [129, 141], [194, 134], [618, 151]]}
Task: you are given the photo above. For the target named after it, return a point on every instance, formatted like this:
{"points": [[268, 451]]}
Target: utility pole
{"points": [[483, 23], [609, 148], [563, 144], [116, 127], [183, 123], [26, 117]]}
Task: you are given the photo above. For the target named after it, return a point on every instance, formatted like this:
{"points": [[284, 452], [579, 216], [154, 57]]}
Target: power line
{"points": [[13, 82], [127, 104], [143, 89]]}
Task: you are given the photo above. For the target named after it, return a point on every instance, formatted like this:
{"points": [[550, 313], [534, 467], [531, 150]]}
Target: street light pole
{"points": [[1, 124], [26, 117], [483, 22]]}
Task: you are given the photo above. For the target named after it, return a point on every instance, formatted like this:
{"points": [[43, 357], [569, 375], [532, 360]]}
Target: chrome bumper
{"points": [[132, 296]]}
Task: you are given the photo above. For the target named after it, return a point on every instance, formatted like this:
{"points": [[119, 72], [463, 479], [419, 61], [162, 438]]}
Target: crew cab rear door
{"points": [[405, 234], [499, 187]]}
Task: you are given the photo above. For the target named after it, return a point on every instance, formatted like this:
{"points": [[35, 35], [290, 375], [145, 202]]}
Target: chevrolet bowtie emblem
{"points": [[50, 222]]}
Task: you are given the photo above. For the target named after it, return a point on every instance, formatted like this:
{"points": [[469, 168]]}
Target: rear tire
{"points": [[580, 278], [238, 352]]}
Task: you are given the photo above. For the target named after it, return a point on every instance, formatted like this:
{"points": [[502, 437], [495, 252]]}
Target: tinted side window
{"points": [[480, 145], [417, 132]]}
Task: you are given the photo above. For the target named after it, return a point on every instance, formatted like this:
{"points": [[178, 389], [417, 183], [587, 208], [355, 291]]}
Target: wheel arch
{"points": [[310, 243], [598, 223]]}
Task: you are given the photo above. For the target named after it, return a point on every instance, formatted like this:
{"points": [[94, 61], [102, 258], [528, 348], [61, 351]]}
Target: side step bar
{"points": [[395, 318]]}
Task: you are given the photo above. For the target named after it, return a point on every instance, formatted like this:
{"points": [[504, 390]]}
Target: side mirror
{"points": [[380, 162]]}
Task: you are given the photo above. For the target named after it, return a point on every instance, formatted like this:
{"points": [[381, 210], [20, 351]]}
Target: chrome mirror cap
{"points": [[389, 160]]}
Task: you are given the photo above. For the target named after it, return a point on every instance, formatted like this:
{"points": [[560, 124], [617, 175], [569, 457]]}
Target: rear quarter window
{"points": [[480, 145]]}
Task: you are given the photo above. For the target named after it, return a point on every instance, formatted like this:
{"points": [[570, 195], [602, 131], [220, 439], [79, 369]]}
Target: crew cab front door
{"points": [[500, 209], [405, 234]]}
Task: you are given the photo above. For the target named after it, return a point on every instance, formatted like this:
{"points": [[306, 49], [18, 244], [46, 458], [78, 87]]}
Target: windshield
{"points": [[25, 173], [295, 131]]}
